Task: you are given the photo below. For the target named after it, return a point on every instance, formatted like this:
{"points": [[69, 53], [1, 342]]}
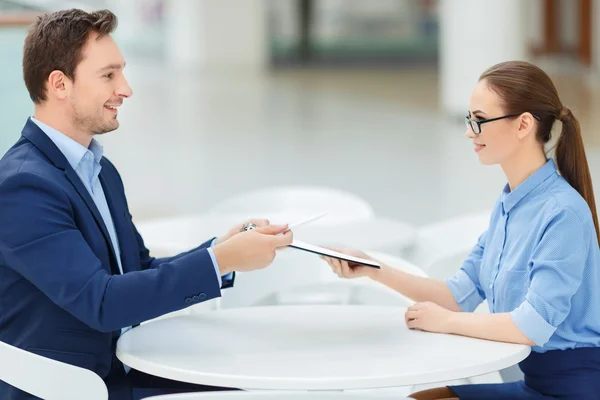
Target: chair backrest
{"points": [[448, 264], [447, 242], [291, 268], [340, 292], [48, 379], [279, 395], [302, 200], [361, 291]]}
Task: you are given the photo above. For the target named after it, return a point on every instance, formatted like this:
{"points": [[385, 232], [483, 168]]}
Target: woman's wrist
{"points": [[452, 321], [378, 275]]}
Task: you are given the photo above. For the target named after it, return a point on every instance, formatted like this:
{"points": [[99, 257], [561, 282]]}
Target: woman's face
{"points": [[499, 141]]}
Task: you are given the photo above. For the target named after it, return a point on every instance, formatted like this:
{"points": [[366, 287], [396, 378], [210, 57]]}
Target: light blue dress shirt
{"points": [[539, 261], [86, 163]]}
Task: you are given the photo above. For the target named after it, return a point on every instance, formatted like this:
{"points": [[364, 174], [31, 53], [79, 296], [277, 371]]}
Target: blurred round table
{"points": [[307, 348], [292, 267], [180, 233]]}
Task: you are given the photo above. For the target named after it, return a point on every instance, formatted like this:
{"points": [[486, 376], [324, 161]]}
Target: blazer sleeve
{"points": [[149, 262], [40, 240]]}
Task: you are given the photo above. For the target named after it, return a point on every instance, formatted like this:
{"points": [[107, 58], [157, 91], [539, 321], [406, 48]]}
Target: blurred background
{"points": [[364, 96]]}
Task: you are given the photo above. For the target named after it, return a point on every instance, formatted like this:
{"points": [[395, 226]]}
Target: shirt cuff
{"points": [[464, 291], [531, 324], [216, 265]]}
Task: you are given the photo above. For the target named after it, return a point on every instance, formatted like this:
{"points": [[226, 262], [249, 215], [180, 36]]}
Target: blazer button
{"points": [[188, 300], [202, 296], [195, 299]]}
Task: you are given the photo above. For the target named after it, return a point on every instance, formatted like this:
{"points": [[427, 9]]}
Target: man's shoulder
{"points": [[24, 159]]}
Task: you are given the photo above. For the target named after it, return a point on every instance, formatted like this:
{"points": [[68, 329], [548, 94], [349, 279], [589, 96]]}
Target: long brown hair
{"points": [[523, 87]]}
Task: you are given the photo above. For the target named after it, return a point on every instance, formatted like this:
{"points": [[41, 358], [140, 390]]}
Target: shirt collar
{"points": [[511, 199], [73, 151]]}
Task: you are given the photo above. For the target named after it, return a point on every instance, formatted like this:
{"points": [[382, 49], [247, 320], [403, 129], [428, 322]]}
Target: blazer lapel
{"points": [[89, 202], [118, 212], [36, 136]]}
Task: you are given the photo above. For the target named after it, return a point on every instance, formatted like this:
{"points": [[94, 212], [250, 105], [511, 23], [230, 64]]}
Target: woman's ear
{"points": [[526, 125]]}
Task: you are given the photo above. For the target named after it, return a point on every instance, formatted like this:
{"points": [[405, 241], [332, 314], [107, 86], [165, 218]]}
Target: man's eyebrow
{"points": [[112, 66]]}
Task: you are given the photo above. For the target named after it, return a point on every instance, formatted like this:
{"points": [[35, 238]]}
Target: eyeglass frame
{"points": [[470, 121]]}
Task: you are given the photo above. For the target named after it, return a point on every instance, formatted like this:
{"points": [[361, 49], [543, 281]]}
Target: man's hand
{"points": [[238, 229], [251, 250]]}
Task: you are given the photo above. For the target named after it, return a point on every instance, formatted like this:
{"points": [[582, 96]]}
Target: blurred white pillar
{"points": [[216, 34], [595, 76], [474, 35], [130, 19]]}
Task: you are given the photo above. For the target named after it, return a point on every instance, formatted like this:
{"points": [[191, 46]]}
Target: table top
{"points": [[307, 348]]}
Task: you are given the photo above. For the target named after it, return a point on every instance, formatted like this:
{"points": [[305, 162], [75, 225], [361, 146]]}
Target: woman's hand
{"points": [[347, 270], [429, 317]]}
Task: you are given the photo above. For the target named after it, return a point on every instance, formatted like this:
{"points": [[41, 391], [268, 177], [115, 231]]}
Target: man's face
{"points": [[99, 87]]}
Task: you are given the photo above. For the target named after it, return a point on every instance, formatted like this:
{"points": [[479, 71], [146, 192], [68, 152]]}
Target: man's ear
{"points": [[58, 85]]}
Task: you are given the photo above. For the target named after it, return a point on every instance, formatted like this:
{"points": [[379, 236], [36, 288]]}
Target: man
{"points": [[74, 271]]}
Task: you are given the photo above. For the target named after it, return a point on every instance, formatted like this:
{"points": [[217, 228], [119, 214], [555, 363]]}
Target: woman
{"points": [[538, 264]]}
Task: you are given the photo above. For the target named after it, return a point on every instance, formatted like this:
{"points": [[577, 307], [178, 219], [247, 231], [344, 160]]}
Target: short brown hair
{"points": [[56, 42]]}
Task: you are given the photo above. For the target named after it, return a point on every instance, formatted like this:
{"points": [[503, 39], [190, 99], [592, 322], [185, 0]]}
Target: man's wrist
{"points": [[223, 258]]}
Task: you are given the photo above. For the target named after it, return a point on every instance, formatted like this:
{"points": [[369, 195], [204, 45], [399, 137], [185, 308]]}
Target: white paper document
{"points": [[296, 244], [306, 221]]}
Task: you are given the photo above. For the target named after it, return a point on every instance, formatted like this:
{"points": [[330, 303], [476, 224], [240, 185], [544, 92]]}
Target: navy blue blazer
{"points": [[61, 293]]}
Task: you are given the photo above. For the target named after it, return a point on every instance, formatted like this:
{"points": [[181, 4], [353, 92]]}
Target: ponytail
{"points": [[572, 162]]}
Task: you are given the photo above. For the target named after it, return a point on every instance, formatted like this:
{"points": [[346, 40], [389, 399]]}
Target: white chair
{"points": [[349, 292], [360, 291], [341, 205], [47, 378], [279, 395], [441, 248]]}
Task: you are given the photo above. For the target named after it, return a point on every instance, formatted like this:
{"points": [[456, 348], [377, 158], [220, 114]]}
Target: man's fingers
{"points": [[271, 229], [260, 222], [284, 240]]}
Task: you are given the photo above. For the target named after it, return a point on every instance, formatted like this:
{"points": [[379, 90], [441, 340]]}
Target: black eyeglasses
{"points": [[475, 125]]}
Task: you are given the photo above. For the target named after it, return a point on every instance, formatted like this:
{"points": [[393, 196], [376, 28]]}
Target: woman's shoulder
{"points": [[562, 200]]}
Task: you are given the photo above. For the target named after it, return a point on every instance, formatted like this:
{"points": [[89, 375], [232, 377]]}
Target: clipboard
{"points": [[297, 244]]}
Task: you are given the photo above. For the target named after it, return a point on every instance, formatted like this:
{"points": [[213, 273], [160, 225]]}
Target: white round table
{"points": [[307, 348]]}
